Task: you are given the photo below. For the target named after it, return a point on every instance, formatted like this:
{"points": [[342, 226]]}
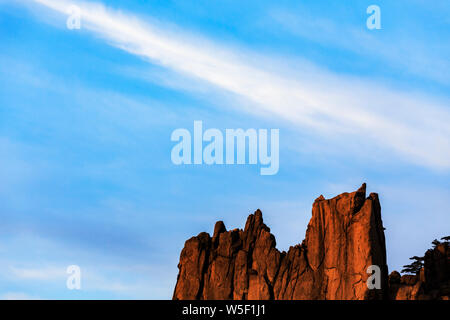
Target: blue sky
{"points": [[86, 117]]}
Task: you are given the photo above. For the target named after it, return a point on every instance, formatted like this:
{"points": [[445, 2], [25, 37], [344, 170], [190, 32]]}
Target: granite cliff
{"points": [[344, 237], [430, 282]]}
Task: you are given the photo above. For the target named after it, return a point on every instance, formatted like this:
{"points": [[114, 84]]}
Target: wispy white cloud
{"points": [[140, 282], [17, 296], [335, 107], [426, 58], [47, 273]]}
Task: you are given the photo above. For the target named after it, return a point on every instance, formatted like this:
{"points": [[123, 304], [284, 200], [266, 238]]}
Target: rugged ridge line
{"points": [[431, 282], [344, 237]]}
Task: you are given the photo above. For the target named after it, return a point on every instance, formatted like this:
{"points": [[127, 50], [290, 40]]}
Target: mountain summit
{"points": [[344, 237], [344, 244]]}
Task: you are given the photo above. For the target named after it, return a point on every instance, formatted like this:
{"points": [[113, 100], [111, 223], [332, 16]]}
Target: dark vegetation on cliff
{"points": [[427, 277]]}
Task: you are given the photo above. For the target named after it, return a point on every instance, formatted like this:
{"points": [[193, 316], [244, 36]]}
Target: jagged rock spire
{"points": [[344, 237]]}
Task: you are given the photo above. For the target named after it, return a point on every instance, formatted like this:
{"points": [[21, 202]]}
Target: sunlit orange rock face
{"points": [[344, 237]]}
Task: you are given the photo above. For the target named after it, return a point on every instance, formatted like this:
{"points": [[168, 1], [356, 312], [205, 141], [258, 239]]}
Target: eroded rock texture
{"points": [[431, 282], [344, 237]]}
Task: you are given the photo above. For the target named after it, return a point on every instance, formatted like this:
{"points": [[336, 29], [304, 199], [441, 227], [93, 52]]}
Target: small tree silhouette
{"points": [[435, 243], [418, 264], [414, 267]]}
